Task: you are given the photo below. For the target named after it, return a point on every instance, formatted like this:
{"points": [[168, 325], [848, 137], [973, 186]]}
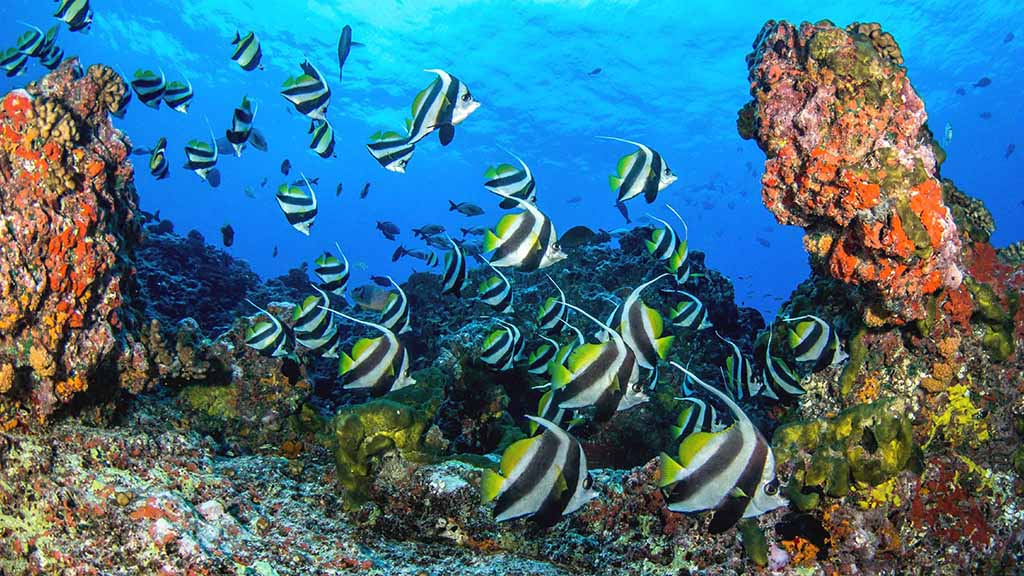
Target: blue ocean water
{"points": [[672, 77]]}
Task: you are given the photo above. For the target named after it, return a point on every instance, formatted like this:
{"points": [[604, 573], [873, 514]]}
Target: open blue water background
{"points": [[673, 76]]}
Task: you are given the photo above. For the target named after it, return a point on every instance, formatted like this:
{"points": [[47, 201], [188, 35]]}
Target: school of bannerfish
{"points": [[722, 462]]}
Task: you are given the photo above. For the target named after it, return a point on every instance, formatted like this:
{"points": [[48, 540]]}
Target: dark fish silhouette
{"points": [[764, 242], [985, 115], [263, 182], [1009, 150], [286, 167], [366, 190], [1008, 38], [227, 235], [337, 191], [300, 181], [345, 44], [274, 253], [574, 200], [380, 280], [594, 72], [961, 91], [390, 230], [982, 82]]}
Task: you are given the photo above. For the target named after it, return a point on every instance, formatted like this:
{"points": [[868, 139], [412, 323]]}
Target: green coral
{"points": [[1013, 254], [858, 356], [998, 321], [914, 228], [970, 214], [754, 542], [214, 401], [397, 421], [862, 446], [746, 120], [960, 422]]}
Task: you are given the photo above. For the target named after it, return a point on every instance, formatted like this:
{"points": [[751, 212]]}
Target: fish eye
{"points": [[668, 172], [467, 97], [771, 488], [588, 482]]}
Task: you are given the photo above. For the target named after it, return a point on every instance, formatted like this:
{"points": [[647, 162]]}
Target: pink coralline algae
{"points": [[68, 207], [851, 160]]}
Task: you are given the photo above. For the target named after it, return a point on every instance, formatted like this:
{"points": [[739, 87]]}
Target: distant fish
{"points": [[300, 181], [1009, 150], [780, 381], [32, 42], [465, 208], [338, 190], [507, 180], [815, 340], [764, 242], [269, 338], [390, 230], [149, 87], [690, 312], [574, 200], [249, 192], [961, 91], [13, 62], [299, 206], [440, 106], [436, 242], [75, 13], [286, 166], [178, 96], [544, 477], [377, 365], [594, 72], [526, 241], [428, 230], [345, 44], [581, 236], [454, 273], [502, 347], [642, 172], [323, 138], [731, 471], [947, 134], [158, 165], [986, 115], [332, 271], [201, 157], [241, 125], [364, 191], [1008, 38], [474, 231], [381, 281], [395, 314], [428, 258], [263, 182], [314, 326], [496, 292], [227, 235], [308, 92], [247, 51], [274, 253], [983, 82]]}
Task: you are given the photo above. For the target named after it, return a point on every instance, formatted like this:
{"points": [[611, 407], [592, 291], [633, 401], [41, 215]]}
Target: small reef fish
{"points": [[201, 157], [241, 125], [690, 312], [697, 416], [507, 180], [395, 314], [158, 165], [947, 134], [52, 58], [178, 96], [308, 92], [314, 326], [502, 347], [780, 382], [338, 190], [249, 192], [382, 281], [378, 365], [581, 236], [437, 242], [273, 254], [474, 231], [149, 87], [553, 314], [227, 235], [764, 242], [665, 244], [345, 44], [390, 230], [544, 477], [13, 62], [247, 51], [427, 257], [526, 241], [465, 208], [299, 206], [496, 292], [323, 138], [594, 72], [370, 297], [739, 375], [440, 106], [428, 231], [814, 340], [269, 338], [731, 471], [1009, 151], [454, 274], [983, 82], [641, 328], [986, 115], [77, 14], [961, 91], [286, 166], [642, 172], [538, 360], [1008, 38], [333, 272], [364, 191]]}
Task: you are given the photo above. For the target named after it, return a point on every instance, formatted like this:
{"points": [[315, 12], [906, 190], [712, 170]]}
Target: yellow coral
{"points": [[6, 378], [880, 495], [41, 362], [960, 422]]}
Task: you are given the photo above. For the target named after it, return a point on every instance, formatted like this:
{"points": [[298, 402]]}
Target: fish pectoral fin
{"points": [[560, 376], [670, 470], [345, 364], [662, 345], [490, 485], [490, 241], [738, 492]]}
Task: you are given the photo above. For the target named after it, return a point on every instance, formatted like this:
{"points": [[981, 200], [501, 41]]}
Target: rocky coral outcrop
{"points": [[68, 208]]}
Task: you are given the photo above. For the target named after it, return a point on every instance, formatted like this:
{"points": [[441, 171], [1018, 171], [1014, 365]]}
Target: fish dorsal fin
{"points": [[490, 485], [584, 355], [363, 346], [504, 169], [506, 223], [514, 453], [692, 445]]}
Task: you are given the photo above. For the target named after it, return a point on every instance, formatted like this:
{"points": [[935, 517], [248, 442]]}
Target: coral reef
{"points": [[848, 160], [70, 210]]}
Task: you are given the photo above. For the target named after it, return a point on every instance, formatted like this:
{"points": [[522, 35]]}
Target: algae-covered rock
{"points": [[862, 446]]}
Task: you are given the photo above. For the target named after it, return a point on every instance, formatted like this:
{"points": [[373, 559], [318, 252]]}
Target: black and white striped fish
{"points": [[323, 138], [158, 165], [547, 408], [201, 157], [149, 87], [32, 42], [378, 365], [614, 318], [314, 326], [247, 51], [780, 382], [454, 273], [604, 375], [13, 62], [544, 477], [440, 106], [731, 471], [814, 340], [526, 241], [395, 315], [75, 13], [553, 313], [739, 375], [502, 347], [507, 180], [269, 338], [690, 312], [309, 92], [642, 172], [299, 206], [178, 96], [333, 273], [696, 416], [241, 125], [641, 328], [665, 244], [496, 292], [537, 361], [52, 58]]}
